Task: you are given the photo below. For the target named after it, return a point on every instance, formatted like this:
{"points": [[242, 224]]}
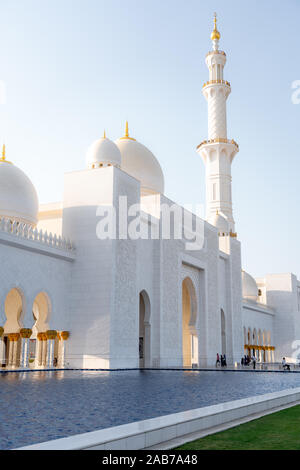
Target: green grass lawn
{"points": [[278, 431]]}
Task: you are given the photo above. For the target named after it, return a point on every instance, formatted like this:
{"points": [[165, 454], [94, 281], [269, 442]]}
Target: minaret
{"points": [[217, 152]]}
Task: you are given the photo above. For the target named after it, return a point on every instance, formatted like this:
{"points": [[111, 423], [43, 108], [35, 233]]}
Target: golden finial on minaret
{"points": [[126, 135], [215, 35], [126, 130], [3, 152], [3, 156], [104, 134]]}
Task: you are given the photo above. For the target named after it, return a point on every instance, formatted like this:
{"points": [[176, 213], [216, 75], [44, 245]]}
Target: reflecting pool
{"points": [[39, 406]]}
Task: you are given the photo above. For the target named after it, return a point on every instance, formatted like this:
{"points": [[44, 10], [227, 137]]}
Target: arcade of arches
{"points": [[258, 343], [36, 347]]}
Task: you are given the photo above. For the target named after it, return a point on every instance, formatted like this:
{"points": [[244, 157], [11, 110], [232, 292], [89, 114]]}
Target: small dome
{"points": [[103, 152], [219, 222], [250, 289], [140, 163], [18, 197]]}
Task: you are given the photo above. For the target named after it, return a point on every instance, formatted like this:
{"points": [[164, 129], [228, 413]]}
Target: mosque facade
{"points": [[99, 280]]}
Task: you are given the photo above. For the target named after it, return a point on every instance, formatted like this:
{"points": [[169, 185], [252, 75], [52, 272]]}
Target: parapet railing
{"points": [[27, 232], [212, 82], [215, 52], [218, 140]]}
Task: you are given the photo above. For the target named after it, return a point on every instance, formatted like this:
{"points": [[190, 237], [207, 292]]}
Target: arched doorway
{"points": [[144, 330], [38, 343], [254, 342], [189, 317], [261, 352], [245, 339], [249, 336], [249, 341], [271, 351], [13, 308], [223, 332]]}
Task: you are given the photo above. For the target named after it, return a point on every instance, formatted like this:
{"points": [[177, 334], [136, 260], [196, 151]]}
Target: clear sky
{"points": [[75, 67]]}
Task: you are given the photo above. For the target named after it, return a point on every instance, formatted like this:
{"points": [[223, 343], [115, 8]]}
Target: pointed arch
{"points": [[254, 337], [189, 321], [249, 336], [223, 332], [14, 306], [13, 309], [41, 312], [144, 329]]}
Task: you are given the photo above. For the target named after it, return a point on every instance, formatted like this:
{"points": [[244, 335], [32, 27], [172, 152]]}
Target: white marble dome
{"points": [[250, 289], [103, 152], [219, 222], [18, 197], [139, 162]]}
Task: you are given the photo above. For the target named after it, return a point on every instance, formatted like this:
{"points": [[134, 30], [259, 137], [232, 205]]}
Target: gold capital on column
{"points": [[25, 332], [13, 336], [51, 334], [65, 334], [42, 336]]}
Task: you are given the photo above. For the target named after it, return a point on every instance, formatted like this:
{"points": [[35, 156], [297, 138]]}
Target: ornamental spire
{"points": [[126, 130], [3, 152], [126, 135], [3, 157], [215, 35]]}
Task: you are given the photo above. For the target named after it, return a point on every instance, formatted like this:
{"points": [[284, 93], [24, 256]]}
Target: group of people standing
{"points": [[221, 360], [247, 360]]}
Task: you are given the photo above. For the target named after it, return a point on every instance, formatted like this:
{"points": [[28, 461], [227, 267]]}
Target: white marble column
{"points": [[50, 335], [62, 354], [2, 351], [15, 353], [39, 351], [24, 357], [10, 351], [25, 335], [22, 352], [44, 356], [64, 335], [50, 353]]}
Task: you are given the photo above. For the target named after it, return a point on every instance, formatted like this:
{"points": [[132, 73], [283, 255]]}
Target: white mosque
{"points": [[69, 298]]}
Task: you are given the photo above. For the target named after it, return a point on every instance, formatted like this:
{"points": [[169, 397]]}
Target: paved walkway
{"points": [[261, 367], [179, 441]]}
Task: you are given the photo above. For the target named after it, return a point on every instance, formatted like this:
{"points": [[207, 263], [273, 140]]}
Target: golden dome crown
{"points": [[126, 135], [215, 34]]}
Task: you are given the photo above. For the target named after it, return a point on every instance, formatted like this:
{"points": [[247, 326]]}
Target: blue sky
{"points": [[74, 67]]}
